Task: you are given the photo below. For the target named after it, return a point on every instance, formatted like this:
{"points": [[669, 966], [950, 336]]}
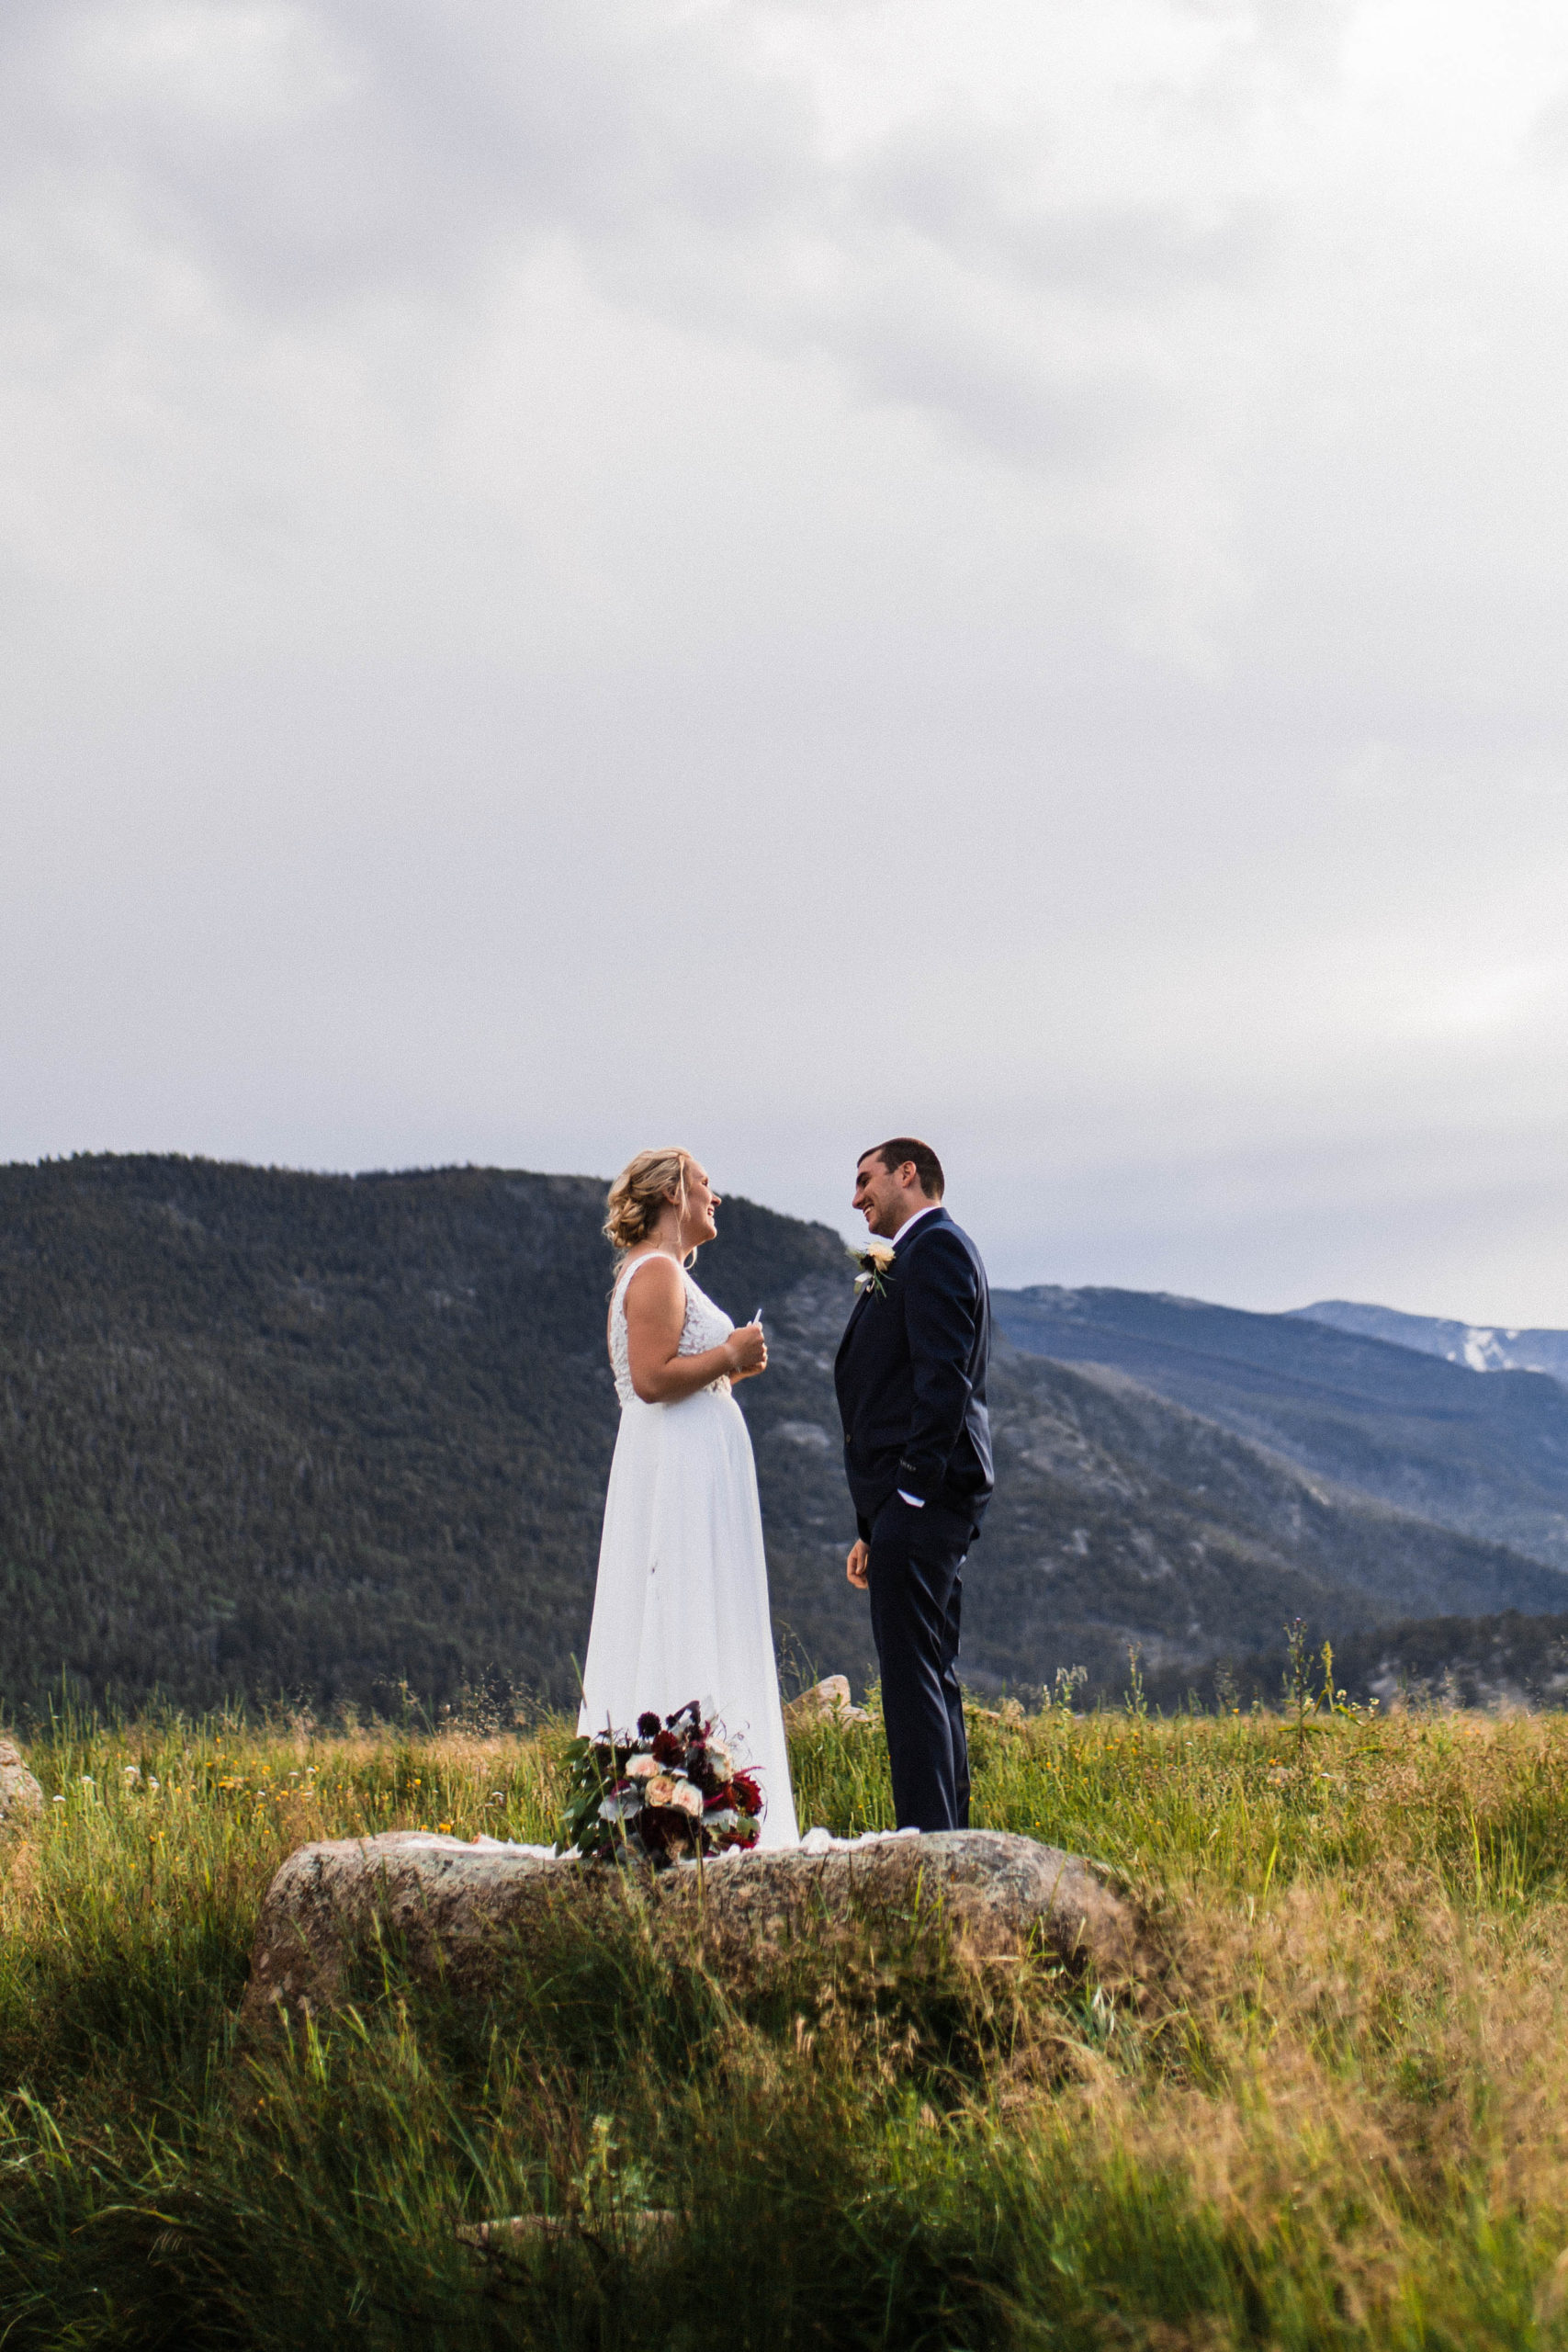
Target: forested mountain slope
{"points": [[275, 1431], [265, 1434]]}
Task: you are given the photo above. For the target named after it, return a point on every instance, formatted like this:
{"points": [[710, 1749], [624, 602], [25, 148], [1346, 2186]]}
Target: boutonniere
{"points": [[875, 1263]]}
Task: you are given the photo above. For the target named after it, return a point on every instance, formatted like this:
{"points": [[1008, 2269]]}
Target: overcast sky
{"points": [[577, 574]]}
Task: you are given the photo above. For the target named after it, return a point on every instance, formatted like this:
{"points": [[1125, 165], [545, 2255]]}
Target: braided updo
{"points": [[640, 1194]]}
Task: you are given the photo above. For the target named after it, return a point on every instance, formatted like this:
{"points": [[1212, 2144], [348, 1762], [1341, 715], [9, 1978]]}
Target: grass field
{"points": [[1340, 2119]]}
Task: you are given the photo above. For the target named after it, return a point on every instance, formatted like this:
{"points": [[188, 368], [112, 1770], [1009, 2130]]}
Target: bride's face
{"points": [[698, 1223]]}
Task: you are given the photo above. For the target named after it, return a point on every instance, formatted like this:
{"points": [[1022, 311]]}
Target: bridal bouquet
{"points": [[668, 1789]]}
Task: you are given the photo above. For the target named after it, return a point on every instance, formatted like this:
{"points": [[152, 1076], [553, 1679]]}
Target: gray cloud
{"points": [[773, 572], [306, 158]]}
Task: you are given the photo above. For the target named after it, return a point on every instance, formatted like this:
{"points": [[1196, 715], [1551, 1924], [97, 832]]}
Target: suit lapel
{"points": [[856, 1311], [899, 1258], [939, 1216]]}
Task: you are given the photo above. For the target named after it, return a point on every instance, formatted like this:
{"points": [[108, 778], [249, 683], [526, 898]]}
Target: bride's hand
{"points": [[748, 1353]]}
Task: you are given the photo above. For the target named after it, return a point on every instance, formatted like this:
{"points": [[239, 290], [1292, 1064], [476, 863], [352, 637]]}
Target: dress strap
{"points": [[623, 1280]]}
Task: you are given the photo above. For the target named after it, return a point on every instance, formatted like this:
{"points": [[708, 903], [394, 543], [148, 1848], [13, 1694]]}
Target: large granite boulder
{"points": [[456, 1910], [21, 1799]]}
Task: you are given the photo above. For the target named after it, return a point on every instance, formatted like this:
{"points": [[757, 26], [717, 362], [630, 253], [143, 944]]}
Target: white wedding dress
{"points": [[681, 1607]]}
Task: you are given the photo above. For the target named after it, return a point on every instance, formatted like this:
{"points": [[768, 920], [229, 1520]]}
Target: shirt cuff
{"points": [[916, 1502]]}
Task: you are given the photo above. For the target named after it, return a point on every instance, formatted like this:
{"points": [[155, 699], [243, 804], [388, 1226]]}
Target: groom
{"points": [[911, 1380]]}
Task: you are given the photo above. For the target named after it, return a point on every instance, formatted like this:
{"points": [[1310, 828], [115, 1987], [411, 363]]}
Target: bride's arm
{"points": [[656, 1311]]}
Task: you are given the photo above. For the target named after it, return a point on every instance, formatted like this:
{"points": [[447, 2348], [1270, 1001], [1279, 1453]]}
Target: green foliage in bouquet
{"points": [[666, 1791]]}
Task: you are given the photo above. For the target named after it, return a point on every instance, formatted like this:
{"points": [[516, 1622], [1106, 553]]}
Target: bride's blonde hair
{"points": [[640, 1193]]}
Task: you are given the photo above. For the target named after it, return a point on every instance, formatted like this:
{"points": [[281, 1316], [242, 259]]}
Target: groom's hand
{"points": [[857, 1567]]}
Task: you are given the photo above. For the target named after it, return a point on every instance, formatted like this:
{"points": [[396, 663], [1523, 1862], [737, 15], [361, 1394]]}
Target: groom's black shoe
{"points": [[917, 1589]]}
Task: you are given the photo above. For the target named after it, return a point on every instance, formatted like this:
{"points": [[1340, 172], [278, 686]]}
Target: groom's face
{"points": [[886, 1197]]}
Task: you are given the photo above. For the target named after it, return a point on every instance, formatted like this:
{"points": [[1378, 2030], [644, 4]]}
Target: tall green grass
{"points": [[1333, 2119]]}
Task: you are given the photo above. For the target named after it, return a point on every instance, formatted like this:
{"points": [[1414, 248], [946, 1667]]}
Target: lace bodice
{"points": [[706, 1327]]}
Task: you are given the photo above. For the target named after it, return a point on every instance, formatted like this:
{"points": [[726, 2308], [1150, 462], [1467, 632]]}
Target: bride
{"points": [[681, 1607]]}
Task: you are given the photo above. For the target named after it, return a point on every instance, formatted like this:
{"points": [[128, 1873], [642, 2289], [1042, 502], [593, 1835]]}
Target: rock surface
{"points": [[21, 1799], [826, 1702], [456, 1907]]}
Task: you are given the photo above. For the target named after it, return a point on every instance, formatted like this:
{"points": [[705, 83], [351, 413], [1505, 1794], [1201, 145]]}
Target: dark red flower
{"points": [[720, 1801], [668, 1748], [748, 1795], [646, 1725]]}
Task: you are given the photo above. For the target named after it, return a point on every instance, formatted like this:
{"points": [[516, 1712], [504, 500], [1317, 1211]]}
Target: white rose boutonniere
{"points": [[875, 1263]]}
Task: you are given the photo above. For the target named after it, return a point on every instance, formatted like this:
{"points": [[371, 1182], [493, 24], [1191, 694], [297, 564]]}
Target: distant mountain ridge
{"points": [[267, 1433], [1482, 1347], [1483, 1453]]}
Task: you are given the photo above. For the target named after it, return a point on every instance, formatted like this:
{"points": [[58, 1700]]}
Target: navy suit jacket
{"points": [[910, 1375]]}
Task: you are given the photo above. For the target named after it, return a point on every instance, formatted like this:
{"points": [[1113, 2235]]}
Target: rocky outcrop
{"points": [[21, 1799], [456, 1910], [826, 1702]]}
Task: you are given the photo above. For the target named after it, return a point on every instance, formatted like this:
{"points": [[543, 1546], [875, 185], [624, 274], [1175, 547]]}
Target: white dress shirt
{"points": [[910, 1222]]}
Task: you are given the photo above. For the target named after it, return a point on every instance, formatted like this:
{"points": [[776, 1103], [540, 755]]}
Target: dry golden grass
{"points": [[1337, 2118]]}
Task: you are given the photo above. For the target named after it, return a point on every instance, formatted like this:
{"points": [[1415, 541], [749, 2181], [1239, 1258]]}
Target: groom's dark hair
{"points": [[928, 1166]]}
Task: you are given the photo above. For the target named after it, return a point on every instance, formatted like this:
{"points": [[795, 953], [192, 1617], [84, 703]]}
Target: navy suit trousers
{"points": [[916, 1598]]}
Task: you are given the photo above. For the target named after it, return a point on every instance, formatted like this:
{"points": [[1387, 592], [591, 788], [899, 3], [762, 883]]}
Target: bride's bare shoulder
{"points": [[651, 1281]]}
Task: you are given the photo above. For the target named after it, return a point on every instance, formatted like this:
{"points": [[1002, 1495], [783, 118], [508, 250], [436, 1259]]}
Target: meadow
{"points": [[1337, 2115]]}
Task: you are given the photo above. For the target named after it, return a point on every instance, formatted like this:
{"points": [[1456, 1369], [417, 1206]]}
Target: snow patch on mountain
{"points": [[1484, 1347]]}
